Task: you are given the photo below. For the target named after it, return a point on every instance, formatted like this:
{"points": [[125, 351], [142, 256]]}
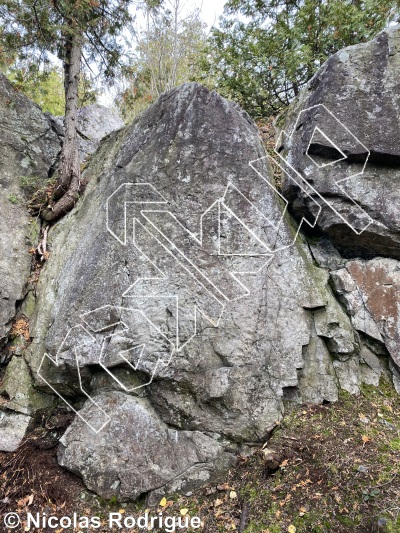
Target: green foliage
{"points": [[45, 86], [32, 32], [41, 28], [395, 445], [265, 51], [368, 494], [28, 181], [167, 54], [14, 199]]}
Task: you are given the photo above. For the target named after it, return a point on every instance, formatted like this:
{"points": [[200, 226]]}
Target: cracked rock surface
{"points": [[282, 332], [360, 86], [339, 140], [28, 149]]}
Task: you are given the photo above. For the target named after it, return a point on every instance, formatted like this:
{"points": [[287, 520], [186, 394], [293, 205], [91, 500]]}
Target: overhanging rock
{"points": [[342, 151]]}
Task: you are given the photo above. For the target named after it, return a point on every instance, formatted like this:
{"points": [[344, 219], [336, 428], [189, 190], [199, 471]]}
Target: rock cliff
{"points": [[30, 144], [188, 296]]}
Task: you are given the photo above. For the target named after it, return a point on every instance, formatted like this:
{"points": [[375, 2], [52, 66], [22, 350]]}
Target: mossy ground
{"points": [[338, 470]]}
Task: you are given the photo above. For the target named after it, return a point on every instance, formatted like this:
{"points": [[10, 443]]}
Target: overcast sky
{"points": [[210, 10]]}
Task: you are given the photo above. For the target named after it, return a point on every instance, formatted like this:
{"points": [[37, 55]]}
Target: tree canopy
{"points": [[45, 86], [39, 28], [74, 31], [265, 51], [261, 55]]}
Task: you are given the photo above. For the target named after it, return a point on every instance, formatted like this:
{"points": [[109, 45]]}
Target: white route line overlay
{"points": [[292, 173]]}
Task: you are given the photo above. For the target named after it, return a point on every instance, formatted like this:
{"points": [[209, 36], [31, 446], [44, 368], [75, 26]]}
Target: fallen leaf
{"points": [[23, 502], [121, 511], [184, 511], [218, 502], [163, 502], [284, 463], [291, 529]]}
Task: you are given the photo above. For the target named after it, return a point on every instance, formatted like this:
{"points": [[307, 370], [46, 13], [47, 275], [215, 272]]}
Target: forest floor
{"points": [[333, 467]]}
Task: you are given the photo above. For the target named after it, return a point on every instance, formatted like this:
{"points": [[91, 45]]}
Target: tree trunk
{"points": [[68, 184]]}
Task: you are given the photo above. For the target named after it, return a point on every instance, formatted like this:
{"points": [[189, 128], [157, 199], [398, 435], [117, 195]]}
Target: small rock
{"points": [[362, 469], [382, 522], [272, 460], [387, 424], [12, 430], [116, 484]]}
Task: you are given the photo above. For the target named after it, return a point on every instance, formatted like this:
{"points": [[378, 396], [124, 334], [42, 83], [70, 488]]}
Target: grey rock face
{"points": [[12, 430], [348, 110], [180, 303], [340, 153], [17, 392], [139, 452], [30, 143], [28, 149], [318, 381], [94, 123], [217, 375]]}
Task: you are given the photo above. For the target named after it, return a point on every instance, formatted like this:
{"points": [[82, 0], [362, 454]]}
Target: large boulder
{"points": [[186, 330], [186, 299], [340, 158], [342, 151]]}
